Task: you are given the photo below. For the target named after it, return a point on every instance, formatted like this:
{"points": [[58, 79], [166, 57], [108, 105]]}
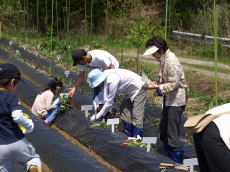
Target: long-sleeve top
{"points": [[222, 122], [172, 80], [43, 103], [119, 81]]}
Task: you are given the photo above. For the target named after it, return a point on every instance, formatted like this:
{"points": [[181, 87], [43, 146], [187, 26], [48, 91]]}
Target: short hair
{"points": [[158, 42], [6, 81]]}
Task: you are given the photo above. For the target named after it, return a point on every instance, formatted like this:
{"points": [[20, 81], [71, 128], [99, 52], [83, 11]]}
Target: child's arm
{"points": [[19, 118]]}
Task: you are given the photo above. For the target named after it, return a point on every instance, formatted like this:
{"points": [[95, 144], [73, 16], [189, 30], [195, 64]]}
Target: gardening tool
{"points": [[176, 166], [20, 126]]}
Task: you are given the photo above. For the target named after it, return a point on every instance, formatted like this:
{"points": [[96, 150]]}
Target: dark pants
{"points": [[170, 126], [212, 153]]}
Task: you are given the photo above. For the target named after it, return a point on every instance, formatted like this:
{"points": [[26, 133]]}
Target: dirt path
{"points": [[189, 61]]}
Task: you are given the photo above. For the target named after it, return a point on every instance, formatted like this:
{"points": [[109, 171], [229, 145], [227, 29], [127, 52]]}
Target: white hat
{"points": [[95, 77], [150, 50]]}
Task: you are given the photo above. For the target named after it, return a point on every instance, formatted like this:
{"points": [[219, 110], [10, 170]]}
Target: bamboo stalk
{"points": [[122, 35], [166, 19], [91, 17], [46, 19], [215, 26], [0, 29], [37, 14], [57, 17], [51, 36], [106, 18]]}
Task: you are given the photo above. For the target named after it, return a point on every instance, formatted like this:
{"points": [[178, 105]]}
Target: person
{"points": [[213, 143], [44, 106], [14, 147], [171, 84], [121, 81], [99, 59]]}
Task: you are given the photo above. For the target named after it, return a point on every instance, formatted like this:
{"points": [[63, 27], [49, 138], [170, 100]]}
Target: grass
{"points": [[208, 68]]}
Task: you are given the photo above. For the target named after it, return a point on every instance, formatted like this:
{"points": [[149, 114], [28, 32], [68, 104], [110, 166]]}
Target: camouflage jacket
{"points": [[172, 80]]}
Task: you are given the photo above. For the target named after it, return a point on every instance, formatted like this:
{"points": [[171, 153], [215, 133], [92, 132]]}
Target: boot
{"points": [[175, 155], [137, 132], [128, 129]]}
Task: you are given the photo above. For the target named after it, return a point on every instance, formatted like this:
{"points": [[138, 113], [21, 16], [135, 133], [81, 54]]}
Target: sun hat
{"points": [[77, 55], [95, 77], [9, 71], [150, 50], [194, 120]]}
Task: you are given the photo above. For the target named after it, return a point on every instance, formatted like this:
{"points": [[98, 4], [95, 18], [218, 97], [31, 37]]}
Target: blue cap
{"points": [[95, 77]]}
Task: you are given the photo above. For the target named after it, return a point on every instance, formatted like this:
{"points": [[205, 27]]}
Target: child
{"points": [[43, 106], [14, 147]]}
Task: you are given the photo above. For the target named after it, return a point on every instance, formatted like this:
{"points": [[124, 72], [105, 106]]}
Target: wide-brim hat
{"points": [[194, 120], [150, 51], [95, 77]]}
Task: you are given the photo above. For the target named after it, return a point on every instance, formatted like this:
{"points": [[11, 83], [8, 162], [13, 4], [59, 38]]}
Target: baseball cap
{"points": [[9, 71], [77, 55], [150, 50]]}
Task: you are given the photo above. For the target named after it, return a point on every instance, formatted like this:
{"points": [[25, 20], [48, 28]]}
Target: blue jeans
{"points": [[51, 115]]}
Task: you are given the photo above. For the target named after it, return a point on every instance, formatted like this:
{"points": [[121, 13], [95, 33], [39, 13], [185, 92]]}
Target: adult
{"points": [[99, 59], [171, 84], [213, 143], [128, 83]]}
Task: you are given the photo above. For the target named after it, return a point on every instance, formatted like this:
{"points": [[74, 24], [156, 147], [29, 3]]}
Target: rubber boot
{"points": [[128, 129], [137, 132], [175, 155]]}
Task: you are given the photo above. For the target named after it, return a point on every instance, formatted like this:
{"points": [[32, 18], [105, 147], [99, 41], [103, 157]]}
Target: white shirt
{"points": [[119, 81], [222, 122], [101, 60]]}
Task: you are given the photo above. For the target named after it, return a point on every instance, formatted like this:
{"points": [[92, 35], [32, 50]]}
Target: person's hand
{"points": [[153, 85], [95, 117], [71, 92]]}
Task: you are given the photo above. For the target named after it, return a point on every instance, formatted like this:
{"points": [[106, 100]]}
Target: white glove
{"points": [[29, 130], [56, 101], [95, 117], [19, 118]]}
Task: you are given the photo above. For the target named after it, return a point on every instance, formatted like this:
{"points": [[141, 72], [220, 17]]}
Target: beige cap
{"points": [[150, 51]]}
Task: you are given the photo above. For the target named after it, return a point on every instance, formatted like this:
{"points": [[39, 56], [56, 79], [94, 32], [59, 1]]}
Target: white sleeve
{"points": [[111, 89], [19, 118]]}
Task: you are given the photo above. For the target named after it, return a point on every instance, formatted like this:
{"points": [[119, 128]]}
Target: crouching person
{"points": [[44, 105], [14, 147], [121, 81], [213, 142]]}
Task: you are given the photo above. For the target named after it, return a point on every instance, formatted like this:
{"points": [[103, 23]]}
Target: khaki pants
{"points": [[133, 112]]}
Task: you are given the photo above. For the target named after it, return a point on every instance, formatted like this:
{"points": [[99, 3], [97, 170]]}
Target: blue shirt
{"points": [[9, 130]]}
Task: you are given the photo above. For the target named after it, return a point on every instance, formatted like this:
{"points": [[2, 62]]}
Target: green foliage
{"points": [[98, 124], [65, 102], [139, 34]]}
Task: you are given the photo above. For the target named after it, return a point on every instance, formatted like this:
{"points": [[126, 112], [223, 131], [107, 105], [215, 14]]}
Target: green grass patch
{"points": [[208, 68]]}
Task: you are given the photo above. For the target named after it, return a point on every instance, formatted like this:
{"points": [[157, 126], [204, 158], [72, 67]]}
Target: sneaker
{"points": [[48, 122], [34, 168]]}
